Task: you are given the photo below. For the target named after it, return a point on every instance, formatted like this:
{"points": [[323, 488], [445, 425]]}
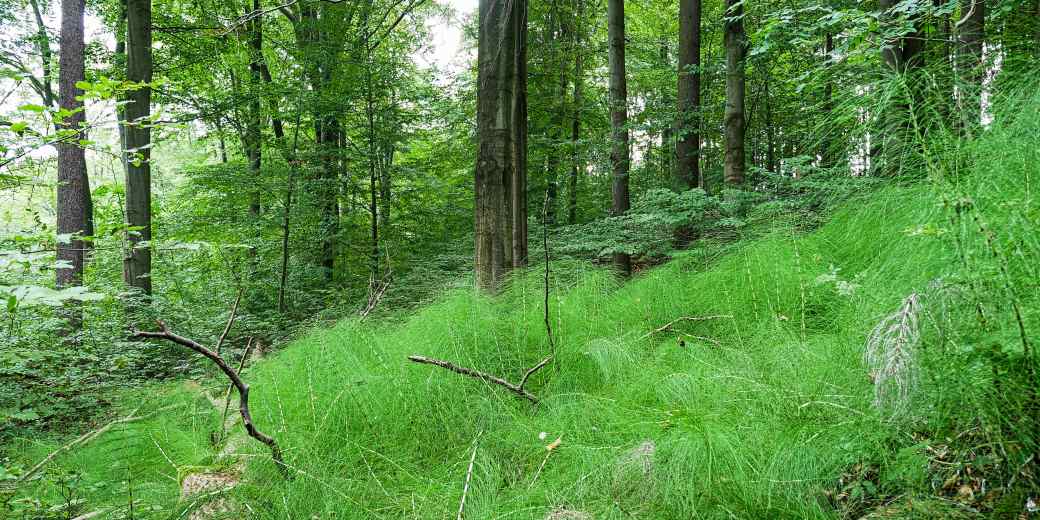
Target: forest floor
{"points": [[728, 383]]}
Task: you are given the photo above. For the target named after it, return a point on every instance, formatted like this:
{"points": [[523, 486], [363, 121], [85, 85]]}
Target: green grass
{"points": [[756, 422]]}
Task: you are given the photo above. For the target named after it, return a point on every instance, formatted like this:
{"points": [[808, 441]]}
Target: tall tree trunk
{"points": [[43, 46], [903, 55], [137, 266], [517, 201], [688, 148], [734, 170], [73, 202], [827, 144], [253, 136], [971, 34], [619, 152], [497, 63], [579, 101]]}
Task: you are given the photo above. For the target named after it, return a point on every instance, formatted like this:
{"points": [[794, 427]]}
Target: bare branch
{"points": [[243, 389], [668, 325], [488, 378], [230, 321]]}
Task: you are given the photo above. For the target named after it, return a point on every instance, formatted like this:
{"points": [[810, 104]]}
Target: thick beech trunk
{"points": [[73, 202], [971, 35], [619, 152], [734, 170], [687, 149], [137, 266], [497, 64]]}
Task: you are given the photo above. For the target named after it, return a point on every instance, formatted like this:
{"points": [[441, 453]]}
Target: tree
{"points": [[902, 53], [518, 184], [74, 206], [578, 101], [619, 153], [137, 264], [496, 109], [687, 150], [736, 49], [971, 34]]}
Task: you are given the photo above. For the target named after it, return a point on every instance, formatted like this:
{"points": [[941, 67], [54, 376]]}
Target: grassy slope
{"points": [[754, 427]]}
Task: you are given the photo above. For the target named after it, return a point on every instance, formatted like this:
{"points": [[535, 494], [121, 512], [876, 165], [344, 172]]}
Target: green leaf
{"points": [[19, 126], [30, 107]]}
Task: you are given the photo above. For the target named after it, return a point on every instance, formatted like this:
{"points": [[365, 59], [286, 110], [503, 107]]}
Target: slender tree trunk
{"points": [[373, 205], [903, 55], [688, 148], [619, 151], [517, 201], [497, 63], [73, 202], [43, 45], [971, 35], [734, 170], [253, 136], [771, 163], [577, 164], [137, 266], [827, 144]]}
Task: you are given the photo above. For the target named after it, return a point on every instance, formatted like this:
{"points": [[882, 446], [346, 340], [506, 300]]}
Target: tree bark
{"points": [[827, 146], [137, 266], [971, 34], [619, 152], [73, 201], [43, 45], [734, 170], [253, 136], [496, 109], [518, 184], [687, 150], [578, 100], [903, 55]]}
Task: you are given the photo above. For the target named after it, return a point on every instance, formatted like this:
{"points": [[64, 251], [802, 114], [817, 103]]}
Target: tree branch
{"points": [[243, 389], [488, 378]]}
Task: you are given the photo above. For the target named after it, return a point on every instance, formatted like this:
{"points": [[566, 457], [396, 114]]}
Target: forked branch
{"points": [[516, 389], [243, 389]]}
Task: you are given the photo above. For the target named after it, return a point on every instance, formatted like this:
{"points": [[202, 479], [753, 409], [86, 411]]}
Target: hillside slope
{"points": [[759, 406]]}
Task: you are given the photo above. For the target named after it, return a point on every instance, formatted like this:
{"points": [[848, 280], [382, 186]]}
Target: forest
{"points": [[519, 259]]}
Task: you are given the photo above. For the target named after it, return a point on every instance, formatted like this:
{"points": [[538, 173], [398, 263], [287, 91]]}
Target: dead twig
{"points": [[243, 389], [227, 395], [469, 476], [376, 291], [668, 325], [83, 439], [230, 322], [488, 378]]}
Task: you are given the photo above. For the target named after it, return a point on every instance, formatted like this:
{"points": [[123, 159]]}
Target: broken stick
{"points": [[516, 389], [243, 389]]}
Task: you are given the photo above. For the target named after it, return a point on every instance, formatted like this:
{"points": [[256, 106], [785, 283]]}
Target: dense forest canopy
{"points": [[224, 176]]}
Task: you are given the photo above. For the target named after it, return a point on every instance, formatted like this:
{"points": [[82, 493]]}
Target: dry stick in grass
{"points": [[243, 389], [516, 389], [83, 439], [668, 325], [227, 395], [469, 476], [230, 322]]}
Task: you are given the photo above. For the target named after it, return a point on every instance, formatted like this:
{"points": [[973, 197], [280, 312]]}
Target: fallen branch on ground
{"points": [[83, 439], [516, 389], [243, 389], [469, 476], [376, 291], [668, 325]]}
